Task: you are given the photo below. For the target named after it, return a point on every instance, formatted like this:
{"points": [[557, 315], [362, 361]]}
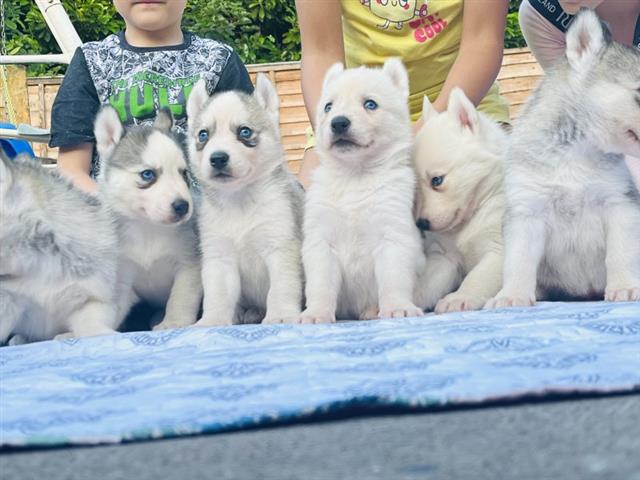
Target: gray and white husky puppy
{"points": [[572, 222], [362, 251], [143, 178], [58, 257], [251, 208]]}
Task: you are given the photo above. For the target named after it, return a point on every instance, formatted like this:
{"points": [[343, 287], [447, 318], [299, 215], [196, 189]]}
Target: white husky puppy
{"points": [[459, 159], [251, 209], [58, 257], [361, 249], [143, 177], [572, 223]]}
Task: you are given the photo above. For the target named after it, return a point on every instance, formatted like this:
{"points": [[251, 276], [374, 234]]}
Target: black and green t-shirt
{"points": [[138, 81]]}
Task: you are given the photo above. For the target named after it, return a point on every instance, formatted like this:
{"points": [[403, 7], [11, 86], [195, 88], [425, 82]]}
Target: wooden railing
{"points": [[518, 77]]}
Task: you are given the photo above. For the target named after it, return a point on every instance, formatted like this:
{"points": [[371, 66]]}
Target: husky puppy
{"points": [[572, 223], [361, 249], [58, 257], [143, 178], [459, 160], [251, 208]]}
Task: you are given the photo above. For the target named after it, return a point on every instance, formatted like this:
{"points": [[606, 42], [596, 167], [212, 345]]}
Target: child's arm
{"points": [[72, 117], [480, 55], [322, 46], [75, 164]]}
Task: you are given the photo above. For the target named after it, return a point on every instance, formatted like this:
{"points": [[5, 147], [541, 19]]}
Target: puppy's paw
{"points": [[459, 303], [409, 310], [281, 319], [309, 316], [16, 340], [504, 299], [64, 336], [213, 322], [169, 323], [622, 294], [369, 314]]}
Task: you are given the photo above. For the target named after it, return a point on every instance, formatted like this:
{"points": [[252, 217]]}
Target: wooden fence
{"points": [[518, 77]]}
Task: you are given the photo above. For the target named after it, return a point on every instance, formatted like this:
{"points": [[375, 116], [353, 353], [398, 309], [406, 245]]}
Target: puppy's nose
{"points": [[340, 124], [423, 224], [219, 160], [180, 207]]}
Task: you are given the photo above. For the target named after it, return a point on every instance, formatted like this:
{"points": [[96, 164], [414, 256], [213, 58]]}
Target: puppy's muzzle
{"points": [[423, 224], [340, 125], [180, 208], [219, 160]]}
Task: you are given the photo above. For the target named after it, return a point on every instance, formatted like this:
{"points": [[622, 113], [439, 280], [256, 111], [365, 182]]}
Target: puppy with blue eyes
{"points": [[251, 210], [143, 179], [362, 251], [459, 156]]}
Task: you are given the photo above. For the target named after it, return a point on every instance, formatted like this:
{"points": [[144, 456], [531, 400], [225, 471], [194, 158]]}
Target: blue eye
{"points": [[327, 107], [370, 104], [203, 136], [245, 133], [437, 181], [148, 175]]}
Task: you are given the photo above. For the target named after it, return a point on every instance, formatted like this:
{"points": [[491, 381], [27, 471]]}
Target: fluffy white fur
{"points": [[158, 246], [250, 218], [572, 225], [361, 249], [459, 163]]}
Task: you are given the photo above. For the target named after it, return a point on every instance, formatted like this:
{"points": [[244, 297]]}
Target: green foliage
{"points": [[512, 35], [27, 32], [260, 30]]}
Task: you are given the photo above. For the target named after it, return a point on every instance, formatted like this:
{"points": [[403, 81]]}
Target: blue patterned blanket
{"points": [[160, 384]]}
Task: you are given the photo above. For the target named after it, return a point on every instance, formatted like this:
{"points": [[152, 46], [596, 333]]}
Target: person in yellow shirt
{"points": [[443, 44]]}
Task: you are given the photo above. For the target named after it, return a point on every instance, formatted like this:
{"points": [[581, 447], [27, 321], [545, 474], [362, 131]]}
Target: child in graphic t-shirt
{"points": [[153, 63]]}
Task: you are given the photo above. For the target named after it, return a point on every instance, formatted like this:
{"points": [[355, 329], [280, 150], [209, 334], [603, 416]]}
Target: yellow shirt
{"points": [[424, 33]]}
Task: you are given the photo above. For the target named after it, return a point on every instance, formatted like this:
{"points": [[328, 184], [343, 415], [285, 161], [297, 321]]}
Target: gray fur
{"points": [[58, 256], [159, 248], [250, 221], [572, 222]]}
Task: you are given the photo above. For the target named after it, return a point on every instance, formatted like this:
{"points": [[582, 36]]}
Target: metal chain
{"points": [[3, 30]]}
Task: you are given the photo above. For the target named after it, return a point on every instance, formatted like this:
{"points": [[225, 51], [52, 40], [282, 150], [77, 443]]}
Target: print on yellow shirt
{"points": [[396, 11]]}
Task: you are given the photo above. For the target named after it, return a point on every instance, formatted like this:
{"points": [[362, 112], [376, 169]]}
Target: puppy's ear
{"points": [[335, 70], [164, 120], [197, 99], [108, 131], [428, 111], [463, 110], [266, 94], [587, 39], [395, 69]]}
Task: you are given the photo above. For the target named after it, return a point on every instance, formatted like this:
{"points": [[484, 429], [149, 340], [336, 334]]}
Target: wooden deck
{"points": [[518, 77]]}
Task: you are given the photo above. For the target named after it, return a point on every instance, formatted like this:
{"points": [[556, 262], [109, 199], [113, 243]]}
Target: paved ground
{"points": [[568, 440]]}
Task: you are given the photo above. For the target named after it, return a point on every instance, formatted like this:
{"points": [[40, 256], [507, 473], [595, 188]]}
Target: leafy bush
{"points": [[512, 35], [260, 30], [27, 32]]}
